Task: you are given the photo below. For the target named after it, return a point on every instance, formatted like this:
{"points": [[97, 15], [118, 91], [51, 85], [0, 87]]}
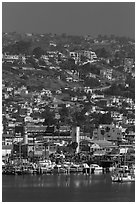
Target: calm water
{"points": [[73, 188]]}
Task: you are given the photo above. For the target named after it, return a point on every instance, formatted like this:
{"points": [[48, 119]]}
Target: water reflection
{"points": [[98, 172], [48, 181], [71, 187]]}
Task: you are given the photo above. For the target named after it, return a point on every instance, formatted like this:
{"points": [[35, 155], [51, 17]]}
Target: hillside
{"points": [[35, 79]]}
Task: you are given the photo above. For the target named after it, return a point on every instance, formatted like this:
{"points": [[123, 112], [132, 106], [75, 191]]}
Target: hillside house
{"points": [[128, 65], [106, 73]]}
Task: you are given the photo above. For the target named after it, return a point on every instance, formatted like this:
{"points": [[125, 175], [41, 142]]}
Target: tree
{"points": [[38, 52], [102, 53], [74, 145], [42, 62], [20, 47], [92, 82], [64, 113], [31, 61], [105, 119], [77, 118], [83, 58], [23, 47], [49, 117]]}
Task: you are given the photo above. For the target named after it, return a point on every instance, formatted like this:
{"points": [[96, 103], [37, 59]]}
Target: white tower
{"points": [[76, 136], [25, 137]]}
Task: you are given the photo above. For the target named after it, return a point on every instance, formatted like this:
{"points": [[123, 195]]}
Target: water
{"points": [[62, 188]]}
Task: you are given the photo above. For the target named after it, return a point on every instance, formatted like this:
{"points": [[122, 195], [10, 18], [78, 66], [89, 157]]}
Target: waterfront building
{"points": [[98, 147], [130, 136], [107, 132], [35, 134], [7, 139], [102, 145], [6, 151]]}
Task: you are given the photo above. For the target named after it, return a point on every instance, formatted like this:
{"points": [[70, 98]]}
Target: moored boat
{"points": [[123, 178], [123, 174], [96, 167]]}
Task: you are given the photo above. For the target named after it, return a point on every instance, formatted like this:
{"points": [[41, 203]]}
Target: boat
{"points": [[49, 170], [123, 178], [128, 178], [73, 169], [123, 174], [44, 167], [116, 178], [18, 170], [9, 170], [58, 168], [25, 170], [96, 167]]}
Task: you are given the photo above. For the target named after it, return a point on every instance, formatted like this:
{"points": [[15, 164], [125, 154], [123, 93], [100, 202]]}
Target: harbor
{"points": [[24, 167], [68, 102], [48, 167]]}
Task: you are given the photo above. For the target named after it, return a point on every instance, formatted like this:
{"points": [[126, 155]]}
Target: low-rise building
{"points": [[7, 139], [6, 150], [106, 73], [128, 65], [107, 132], [90, 55]]}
